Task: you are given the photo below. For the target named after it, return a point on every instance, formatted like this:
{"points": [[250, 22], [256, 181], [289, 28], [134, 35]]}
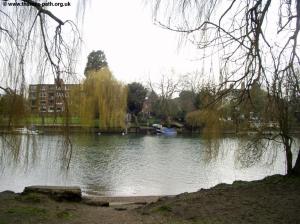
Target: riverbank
{"points": [[144, 130], [275, 199]]}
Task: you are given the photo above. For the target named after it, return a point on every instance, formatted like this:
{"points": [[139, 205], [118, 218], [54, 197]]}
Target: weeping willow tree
{"points": [[12, 110], [207, 118], [208, 113], [247, 41], [104, 101], [35, 44]]}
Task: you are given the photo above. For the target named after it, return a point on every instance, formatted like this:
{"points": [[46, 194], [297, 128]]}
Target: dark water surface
{"points": [[133, 165]]}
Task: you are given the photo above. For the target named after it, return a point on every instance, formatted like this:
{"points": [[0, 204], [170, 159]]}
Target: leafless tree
{"points": [[254, 41], [193, 81], [166, 88]]}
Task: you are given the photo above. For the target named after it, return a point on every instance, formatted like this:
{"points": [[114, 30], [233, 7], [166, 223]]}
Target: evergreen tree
{"points": [[96, 61]]}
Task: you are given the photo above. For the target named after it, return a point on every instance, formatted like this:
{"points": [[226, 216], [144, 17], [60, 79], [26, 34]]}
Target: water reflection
{"points": [[251, 151], [136, 165]]}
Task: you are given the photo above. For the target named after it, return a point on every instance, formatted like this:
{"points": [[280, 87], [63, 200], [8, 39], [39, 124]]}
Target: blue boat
{"points": [[164, 131], [168, 131]]}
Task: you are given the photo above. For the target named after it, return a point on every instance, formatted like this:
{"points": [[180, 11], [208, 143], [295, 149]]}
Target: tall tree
{"points": [[12, 109], [186, 102], [136, 97], [104, 99], [208, 111], [96, 61]]}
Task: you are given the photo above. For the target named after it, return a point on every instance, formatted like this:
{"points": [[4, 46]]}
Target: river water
{"points": [[132, 165]]}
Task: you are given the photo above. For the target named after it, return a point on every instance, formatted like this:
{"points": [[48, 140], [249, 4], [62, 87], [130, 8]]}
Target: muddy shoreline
{"points": [[275, 199]]}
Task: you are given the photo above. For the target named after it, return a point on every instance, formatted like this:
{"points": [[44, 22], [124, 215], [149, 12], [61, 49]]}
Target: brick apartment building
{"points": [[49, 98]]}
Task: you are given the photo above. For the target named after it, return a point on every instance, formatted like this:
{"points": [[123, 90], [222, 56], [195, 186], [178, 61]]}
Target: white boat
{"points": [[26, 131]]}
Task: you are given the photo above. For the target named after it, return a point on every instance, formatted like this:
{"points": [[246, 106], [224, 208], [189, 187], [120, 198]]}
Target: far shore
{"points": [[143, 130]]}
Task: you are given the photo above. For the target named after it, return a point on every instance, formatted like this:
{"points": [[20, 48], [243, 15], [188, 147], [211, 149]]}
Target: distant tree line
{"points": [[103, 101]]}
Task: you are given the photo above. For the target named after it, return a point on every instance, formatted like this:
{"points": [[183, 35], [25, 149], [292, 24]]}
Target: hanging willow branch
{"points": [[250, 48], [35, 42]]}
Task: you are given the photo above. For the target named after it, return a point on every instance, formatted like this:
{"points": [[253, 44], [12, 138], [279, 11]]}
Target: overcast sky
{"points": [[135, 48]]}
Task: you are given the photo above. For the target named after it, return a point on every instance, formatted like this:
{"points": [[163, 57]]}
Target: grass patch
{"points": [[208, 221], [48, 120], [30, 198], [164, 208], [27, 211], [64, 215]]}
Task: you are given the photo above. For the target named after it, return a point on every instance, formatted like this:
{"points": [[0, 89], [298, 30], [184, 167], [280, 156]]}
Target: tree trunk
{"points": [[296, 169], [136, 120], [289, 158], [43, 119]]}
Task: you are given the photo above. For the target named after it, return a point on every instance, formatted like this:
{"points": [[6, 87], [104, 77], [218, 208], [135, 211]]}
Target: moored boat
{"points": [[164, 131], [26, 131]]}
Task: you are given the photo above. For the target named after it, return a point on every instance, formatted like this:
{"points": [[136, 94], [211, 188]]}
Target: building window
{"points": [[42, 94]]}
